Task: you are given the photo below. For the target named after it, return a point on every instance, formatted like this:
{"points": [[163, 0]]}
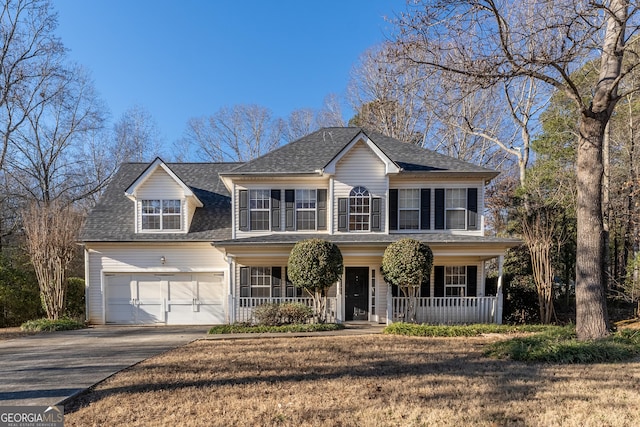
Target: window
{"points": [[359, 209], [455, 281], [161, 215], [259, 203], [260, 281], [456, 205], [409, 209], [306, 209]]}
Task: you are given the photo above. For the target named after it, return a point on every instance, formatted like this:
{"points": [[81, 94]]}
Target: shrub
{"points": [[561, 346], [521, 301], [47, 325], [294, 312], [243, 328], [411, 329], [19, 296], [267, 314], [75, 305], [274, 314]]}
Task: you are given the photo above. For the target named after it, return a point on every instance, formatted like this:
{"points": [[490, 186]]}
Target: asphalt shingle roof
{"points": [[314, 151], [112, 219]]}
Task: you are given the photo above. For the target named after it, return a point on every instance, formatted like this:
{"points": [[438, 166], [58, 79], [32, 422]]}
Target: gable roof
{"points": [[312, 153], [113, 218], [389, 165], [150, 170]]}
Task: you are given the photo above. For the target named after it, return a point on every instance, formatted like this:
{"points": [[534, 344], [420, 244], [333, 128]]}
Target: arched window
{"points": [[359, 209]]}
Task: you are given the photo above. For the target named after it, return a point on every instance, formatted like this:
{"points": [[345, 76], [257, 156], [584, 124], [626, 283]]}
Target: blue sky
{"points": [[183, 59]]}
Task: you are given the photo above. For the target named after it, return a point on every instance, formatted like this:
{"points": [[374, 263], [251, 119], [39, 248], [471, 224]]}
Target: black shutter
{"points": [[245, 286], [321, 200], [343, 206], [425, 287], [425, 208], [290, 289], [439, 192], [275, 210], [375, 214], [243, 209], [472, 208], [290, 210], [276, 282], [472, 280], [438, 280], [393, 209]]}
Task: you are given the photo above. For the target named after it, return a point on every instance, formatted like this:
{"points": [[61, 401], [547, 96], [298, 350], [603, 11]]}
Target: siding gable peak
{"points": [[158, 163], [391, 167]]}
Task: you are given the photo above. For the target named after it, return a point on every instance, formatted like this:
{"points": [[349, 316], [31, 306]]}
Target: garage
{"points": [[171, 299]]}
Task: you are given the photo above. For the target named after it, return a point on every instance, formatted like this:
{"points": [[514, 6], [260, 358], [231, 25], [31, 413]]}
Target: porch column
{"points": [[499, 295], [231, 305], [389, 305], [339, 318]]}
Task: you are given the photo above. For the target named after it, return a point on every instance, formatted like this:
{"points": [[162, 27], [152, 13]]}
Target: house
{"points": [[205, 243]]}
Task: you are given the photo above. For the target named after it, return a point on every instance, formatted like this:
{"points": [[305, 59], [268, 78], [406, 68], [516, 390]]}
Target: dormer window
{"points": [[161, 215]]}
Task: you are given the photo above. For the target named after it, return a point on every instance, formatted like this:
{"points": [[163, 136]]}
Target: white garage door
{"points": [[174, 299]]}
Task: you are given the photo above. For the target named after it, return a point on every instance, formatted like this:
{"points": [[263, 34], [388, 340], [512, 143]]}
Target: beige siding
{"points": [[360, 167], [140, 258], [160, 186]]}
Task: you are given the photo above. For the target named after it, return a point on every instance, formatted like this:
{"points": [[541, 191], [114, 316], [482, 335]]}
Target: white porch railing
{"points": [[448, 310], [245, 306]]}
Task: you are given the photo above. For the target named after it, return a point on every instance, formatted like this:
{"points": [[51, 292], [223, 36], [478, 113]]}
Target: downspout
{"points": [[86, 283], [499, 295], [233, 211]]}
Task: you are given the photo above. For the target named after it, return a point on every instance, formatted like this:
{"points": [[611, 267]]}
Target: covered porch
{"points": [[361, 294]]}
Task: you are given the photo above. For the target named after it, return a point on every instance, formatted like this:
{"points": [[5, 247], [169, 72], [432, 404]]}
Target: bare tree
{"points": [[303, 121], [387, 96], [30, 56], [489, 42], [50, 230], [330, 115], [49, 161], [137, 136], [300, 122], [238, 133]]}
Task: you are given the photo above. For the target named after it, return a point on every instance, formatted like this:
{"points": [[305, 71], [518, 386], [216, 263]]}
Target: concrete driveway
{"points": [[48, 368]]}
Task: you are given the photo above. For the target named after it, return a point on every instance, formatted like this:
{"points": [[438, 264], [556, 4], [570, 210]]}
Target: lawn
{"points": [[369, 380]]}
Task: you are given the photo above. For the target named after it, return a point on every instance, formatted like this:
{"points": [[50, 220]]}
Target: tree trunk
{"points": [[591, 309], [592, 320]]}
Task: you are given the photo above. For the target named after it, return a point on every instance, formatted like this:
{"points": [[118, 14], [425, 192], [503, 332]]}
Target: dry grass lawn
{"points": [[372, 380]]}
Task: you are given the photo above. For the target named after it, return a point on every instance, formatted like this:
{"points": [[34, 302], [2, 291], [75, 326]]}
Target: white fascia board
{"points": [[390, 166]]}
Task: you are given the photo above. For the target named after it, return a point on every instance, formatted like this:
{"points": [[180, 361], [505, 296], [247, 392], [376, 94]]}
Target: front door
{"points": [[356, 293]]}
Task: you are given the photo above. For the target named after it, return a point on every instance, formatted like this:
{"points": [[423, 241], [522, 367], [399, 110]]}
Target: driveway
{"points": [[48, 368]]}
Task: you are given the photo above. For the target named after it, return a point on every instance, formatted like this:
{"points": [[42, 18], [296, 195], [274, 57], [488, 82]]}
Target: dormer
{"points": [[163, 202]]}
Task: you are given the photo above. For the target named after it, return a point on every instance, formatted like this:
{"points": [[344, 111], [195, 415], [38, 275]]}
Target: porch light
{"points": [[163, 260]]}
